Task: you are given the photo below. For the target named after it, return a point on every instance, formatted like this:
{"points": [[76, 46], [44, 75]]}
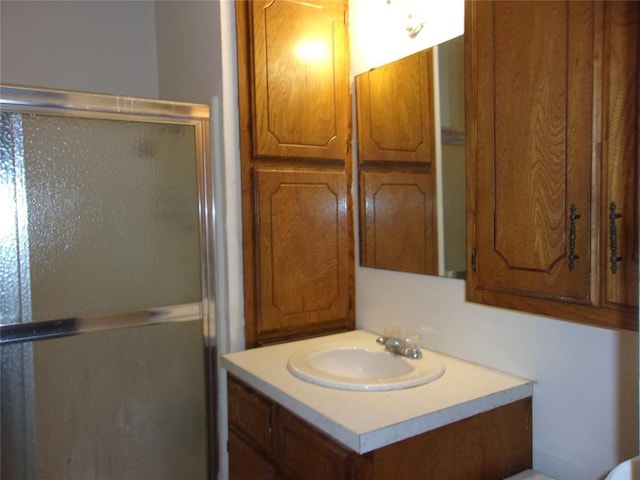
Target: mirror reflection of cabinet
{"points": [[398, 222], [411, 163], [396, 152]]}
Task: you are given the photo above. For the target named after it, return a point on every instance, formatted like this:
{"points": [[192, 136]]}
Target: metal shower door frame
{"points": [[25, 100]]}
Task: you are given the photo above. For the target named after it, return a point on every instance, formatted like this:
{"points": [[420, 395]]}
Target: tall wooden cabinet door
{"points": [[395, 111], [620, 113], [301, 79], [304, 258], [530, 143]]}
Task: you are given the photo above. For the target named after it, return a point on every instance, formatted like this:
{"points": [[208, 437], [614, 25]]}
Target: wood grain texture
{"points": [[303, 255], [399, 224], [489, 446], [534, 147], [396, 156], [304, 453], [301, 102], [396, 111], [271, 91], [251, 415], [245, 463], [545, 131], [620, 113]]}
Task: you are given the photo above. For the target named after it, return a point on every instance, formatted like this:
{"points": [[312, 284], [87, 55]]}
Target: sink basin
{"points": [[363, 368]]}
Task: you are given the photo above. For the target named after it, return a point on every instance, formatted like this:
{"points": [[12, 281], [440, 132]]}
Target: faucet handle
{"points": [[392, 332], [412, 344]]}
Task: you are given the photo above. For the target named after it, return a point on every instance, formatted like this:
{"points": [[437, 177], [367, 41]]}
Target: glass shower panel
{"points": [[113, 215], [15, 302]]}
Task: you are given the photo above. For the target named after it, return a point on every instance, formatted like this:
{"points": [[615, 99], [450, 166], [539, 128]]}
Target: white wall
{"points": [[377, 28], [100, 46], [585, 417], [189, 55]]}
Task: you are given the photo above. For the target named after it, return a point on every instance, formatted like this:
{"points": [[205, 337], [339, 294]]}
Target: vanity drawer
{"points": [[303, 453], [250, 414]]}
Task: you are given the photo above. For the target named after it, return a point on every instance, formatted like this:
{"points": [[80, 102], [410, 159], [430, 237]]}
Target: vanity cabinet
{"points": [[552, 151], [297, 219], [268, 441], [396, 164]]}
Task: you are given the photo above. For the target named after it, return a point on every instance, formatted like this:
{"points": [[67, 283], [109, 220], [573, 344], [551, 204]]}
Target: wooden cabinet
{"points": [[552, 125], [294, 108], [266, 439], [300, 87], [396, 162], [303, 257], [489, 446]]}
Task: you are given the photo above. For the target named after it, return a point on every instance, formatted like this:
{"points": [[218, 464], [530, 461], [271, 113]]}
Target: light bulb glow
{"points": [[315, 51]]}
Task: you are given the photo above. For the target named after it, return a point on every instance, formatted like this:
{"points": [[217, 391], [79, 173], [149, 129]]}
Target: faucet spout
{"points": [[398, 346]]}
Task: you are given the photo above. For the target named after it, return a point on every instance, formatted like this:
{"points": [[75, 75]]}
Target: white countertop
{"points": [[365, 420]]}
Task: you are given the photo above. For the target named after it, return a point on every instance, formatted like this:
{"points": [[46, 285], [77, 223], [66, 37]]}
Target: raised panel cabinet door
{"points": [[396, 112], [303, 250], [301, 81], [530, 137], [245, 463], [304, 453], [399, 227], [251, 414], [619, 211]]}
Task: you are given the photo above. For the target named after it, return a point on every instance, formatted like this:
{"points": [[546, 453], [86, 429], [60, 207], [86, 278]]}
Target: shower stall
{"points": [[107, 308]]}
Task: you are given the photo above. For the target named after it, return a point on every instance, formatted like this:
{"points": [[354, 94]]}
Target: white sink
{"points": [[363, 367]]}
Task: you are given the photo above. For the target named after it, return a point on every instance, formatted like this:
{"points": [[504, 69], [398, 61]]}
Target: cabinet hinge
{"points": [[473, 259]]}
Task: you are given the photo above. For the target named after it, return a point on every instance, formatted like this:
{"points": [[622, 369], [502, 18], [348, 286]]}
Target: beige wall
{"points": [[100, 46]]}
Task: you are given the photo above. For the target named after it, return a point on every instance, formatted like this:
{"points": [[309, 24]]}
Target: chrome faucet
{"points": [[407, 347]]}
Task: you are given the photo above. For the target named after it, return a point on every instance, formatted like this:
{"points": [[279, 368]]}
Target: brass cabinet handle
{"points": [[613, 237], [572, 237]]}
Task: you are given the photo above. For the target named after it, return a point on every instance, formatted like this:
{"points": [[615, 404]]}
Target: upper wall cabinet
{"points": [[552, 158], [297, 212], [301, 101]]}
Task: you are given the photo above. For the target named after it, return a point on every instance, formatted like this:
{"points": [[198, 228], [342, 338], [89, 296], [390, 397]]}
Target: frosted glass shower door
{"points": [[105, 290], [113, 215]]}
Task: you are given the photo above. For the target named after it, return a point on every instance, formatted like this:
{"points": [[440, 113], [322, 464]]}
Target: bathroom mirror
{"points": [[411, 175]]}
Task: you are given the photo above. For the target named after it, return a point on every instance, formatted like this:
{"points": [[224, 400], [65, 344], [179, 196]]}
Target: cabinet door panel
{"points": [[301, 79], [303, 252], [620, 154], [396, 112], [245, 463], [303, 453], [533, 153], [251, 414], [399, 222]]}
